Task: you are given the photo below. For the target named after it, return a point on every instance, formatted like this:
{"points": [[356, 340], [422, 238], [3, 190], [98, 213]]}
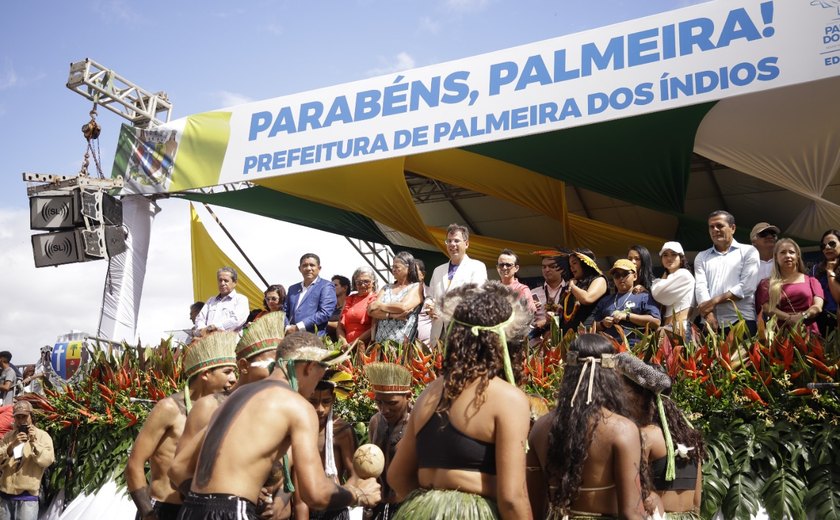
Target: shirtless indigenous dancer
{"points": [[254, 429], [209, 367]]}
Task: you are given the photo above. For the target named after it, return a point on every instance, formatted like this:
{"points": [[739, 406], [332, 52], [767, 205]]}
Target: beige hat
{"points": [[763, 226], [22, 407], [623, 264], [212, 351]]}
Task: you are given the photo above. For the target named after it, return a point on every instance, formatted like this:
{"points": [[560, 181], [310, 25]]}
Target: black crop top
{"points": [[686, 475], [440, 445]]}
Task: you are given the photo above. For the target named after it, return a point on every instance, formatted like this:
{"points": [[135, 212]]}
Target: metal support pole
{"points": [[219, 222]]}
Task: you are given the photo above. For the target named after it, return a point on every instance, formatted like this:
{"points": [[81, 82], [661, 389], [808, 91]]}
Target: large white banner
{"points": [[701, 53]]}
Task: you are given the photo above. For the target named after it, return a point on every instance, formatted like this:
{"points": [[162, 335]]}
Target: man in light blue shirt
{"points": [[726, 275]]}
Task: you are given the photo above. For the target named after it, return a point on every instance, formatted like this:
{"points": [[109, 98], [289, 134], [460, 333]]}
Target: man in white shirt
{"points": [[226, 311], [726, 276], [763, 237], [460, 270]]}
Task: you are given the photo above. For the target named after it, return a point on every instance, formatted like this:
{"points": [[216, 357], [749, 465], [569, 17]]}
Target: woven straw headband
{"points": [[499, 329]]}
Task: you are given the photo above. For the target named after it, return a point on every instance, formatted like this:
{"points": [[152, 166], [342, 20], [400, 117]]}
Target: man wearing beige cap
{"points": [[209, 367], [763, 237], [25, 452]]}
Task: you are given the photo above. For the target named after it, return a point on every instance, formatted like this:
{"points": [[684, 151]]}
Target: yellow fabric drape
{"points": [[201, 151], [207, 258], [375, 189], [378, 190], [487, 249], [499, 179], [608, 240]]}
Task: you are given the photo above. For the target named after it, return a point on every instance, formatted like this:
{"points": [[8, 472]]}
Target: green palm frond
{"points": [[784, 495], [823, 497]]}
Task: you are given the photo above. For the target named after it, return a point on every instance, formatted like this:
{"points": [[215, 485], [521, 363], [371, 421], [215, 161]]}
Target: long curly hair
{"points": [[572, 428], [681, 431], [468, 356]]}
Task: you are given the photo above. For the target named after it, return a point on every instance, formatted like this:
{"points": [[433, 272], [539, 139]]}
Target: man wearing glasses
{"points": [[508, 265], [460, 270], [726, 276], [763, 237]]}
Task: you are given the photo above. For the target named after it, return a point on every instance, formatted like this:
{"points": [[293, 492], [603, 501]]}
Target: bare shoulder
{"points": [[430, 395], [170, 409], [504, 390], [426, 404], [207, 404], [619, 428]]}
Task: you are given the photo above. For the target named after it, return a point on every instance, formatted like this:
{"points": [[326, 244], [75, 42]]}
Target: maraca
{"points": [[368, 461]]}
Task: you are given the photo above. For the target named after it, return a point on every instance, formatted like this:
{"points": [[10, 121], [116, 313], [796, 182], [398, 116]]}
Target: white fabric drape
{"points": [[126, 272], [789, 137]]}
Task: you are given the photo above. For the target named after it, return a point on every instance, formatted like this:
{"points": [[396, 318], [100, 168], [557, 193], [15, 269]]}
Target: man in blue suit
{"points": [[310, 303]]}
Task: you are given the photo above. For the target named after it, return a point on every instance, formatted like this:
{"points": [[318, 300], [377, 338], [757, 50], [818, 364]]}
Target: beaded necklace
{"points": [[568, 317]]}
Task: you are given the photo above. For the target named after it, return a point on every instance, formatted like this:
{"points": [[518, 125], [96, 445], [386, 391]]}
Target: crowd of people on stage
{"points": [[729, 281], [614, 445]]}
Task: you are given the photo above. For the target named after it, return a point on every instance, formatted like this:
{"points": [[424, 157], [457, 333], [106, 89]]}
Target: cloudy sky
{"points": [[208, 55]]}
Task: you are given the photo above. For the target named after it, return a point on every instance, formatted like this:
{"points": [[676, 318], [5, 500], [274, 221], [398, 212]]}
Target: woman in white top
{"points": [[675, 289]]}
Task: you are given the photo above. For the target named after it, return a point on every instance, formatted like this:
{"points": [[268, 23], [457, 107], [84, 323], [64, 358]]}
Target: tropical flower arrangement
{"points": [[94, 421], [771, 439]]}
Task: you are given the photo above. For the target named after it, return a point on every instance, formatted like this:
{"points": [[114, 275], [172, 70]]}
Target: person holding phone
{"points": [[25, 453]]}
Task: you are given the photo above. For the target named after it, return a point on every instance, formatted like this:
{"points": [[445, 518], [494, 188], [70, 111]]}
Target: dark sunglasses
{"points": [[767, 233], [831, 244], [504, 265], [620, 275]]}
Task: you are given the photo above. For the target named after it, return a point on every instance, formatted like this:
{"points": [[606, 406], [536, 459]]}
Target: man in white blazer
{"points": [[460, 270]]}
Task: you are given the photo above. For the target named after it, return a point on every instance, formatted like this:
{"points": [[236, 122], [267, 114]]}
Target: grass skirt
{"points": [[554, 514], [686, 515], [446, 504]]}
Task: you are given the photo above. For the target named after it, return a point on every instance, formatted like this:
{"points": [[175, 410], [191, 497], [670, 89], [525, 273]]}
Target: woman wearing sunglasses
{"points": [[625, 309], [826, 272], [355, 324]]}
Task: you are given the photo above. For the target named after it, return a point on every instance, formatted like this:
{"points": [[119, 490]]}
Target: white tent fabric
{"points": [[126, 272], [108, 502], [789, 137]]}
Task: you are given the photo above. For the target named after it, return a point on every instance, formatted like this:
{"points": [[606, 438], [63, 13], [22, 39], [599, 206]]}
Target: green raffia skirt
{"points": [[554, 514], [685, 515], [446, 504]]}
